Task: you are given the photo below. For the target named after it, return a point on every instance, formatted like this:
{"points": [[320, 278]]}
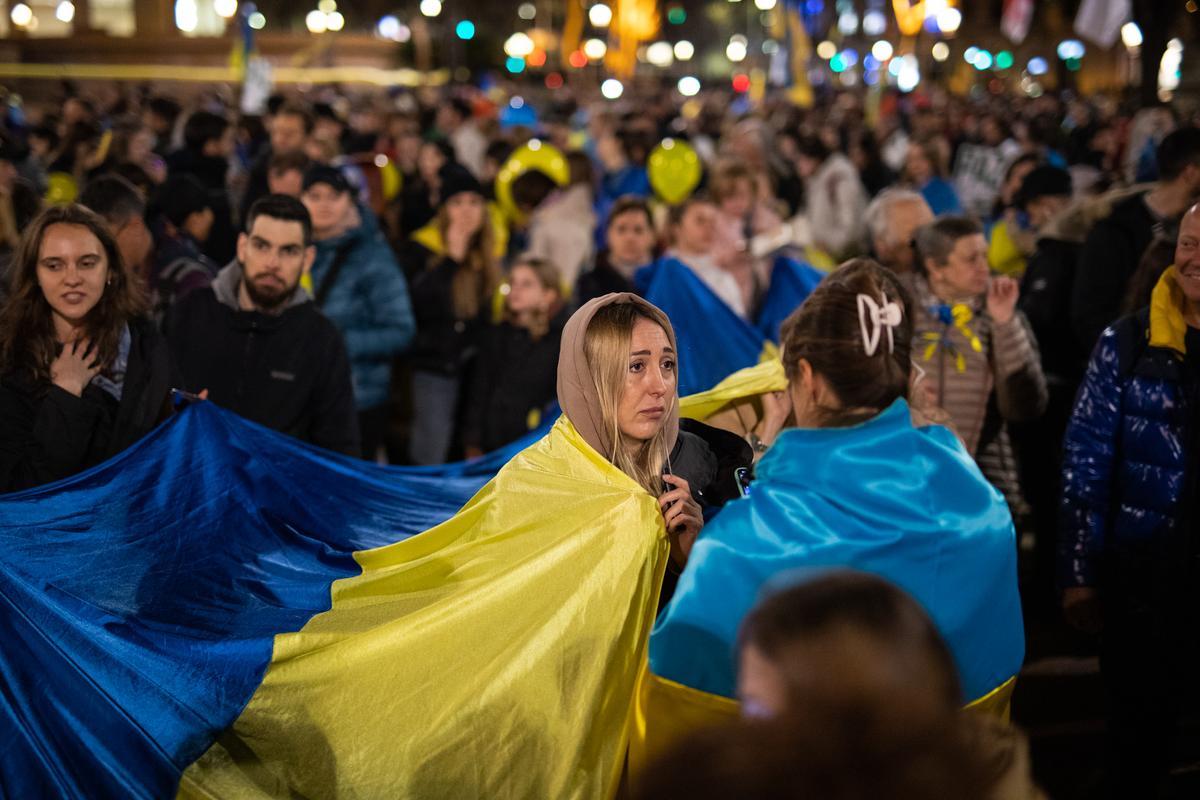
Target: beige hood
{"points": [[576, 388]]}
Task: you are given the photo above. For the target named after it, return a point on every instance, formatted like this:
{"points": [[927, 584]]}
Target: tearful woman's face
{"points": [[650, 383]]}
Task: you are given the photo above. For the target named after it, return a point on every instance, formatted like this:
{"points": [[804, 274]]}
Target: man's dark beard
{"points": [[268, 300]]}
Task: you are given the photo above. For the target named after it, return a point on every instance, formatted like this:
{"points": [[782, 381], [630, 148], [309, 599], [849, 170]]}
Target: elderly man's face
{"points": [[895, 248], [1187, 256]]}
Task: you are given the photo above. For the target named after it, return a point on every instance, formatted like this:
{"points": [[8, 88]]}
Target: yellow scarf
{"points": [[1167, 325]]}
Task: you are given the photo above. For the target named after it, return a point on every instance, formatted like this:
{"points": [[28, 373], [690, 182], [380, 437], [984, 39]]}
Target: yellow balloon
{"points": [[391, 181], [535, 155], [61, 188], [674, 170]]}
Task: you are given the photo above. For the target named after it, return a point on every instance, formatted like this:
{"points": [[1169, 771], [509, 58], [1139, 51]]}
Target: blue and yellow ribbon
{"points": [[958, 316]]}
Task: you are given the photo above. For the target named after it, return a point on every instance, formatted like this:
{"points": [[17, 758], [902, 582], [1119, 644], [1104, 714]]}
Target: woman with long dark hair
{"points": [[83, 373]]}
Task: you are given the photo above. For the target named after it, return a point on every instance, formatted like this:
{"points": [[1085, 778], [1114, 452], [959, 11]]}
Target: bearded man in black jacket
{"points": [[258, 344]]}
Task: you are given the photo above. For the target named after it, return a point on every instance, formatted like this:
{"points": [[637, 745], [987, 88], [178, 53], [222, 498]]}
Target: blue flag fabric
{"points": [[791, 283], [903, 502], [714, 342], [141, 598]]}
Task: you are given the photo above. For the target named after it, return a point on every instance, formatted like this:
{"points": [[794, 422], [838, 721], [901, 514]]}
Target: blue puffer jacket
{"points": [[1126, 450], [368, 301]]}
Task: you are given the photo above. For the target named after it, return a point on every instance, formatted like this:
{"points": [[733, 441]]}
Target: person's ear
{"points": [[823, 395], [806, 372], [805, 384]]}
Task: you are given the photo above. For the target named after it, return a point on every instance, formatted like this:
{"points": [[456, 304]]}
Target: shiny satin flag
{"points": [[142, 598], [904, 502], [493, 656]]}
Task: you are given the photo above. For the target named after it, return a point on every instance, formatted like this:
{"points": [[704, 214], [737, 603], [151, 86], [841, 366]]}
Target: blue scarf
{"points": [[112, 380]]}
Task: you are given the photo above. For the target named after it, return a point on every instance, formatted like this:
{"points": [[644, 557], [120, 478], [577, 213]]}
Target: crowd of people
{"points": [[1011, 343]]}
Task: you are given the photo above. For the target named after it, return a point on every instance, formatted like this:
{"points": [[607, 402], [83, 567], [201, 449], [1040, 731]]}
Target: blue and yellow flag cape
{"points": [[714, 342], [906, 503], [222, 611], [216, 580]]}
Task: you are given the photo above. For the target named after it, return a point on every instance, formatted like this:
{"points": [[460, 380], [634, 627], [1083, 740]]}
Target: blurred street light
{"points": [[314, 20], [186, 15], [518, 45], [612, 89], [600, 15], [689, 86]]}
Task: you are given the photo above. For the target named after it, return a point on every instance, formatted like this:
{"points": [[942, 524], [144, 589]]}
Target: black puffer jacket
{"points": [[47, 434], [709, 459], [1128, 453]]}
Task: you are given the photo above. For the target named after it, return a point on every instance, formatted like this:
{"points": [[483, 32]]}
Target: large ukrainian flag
{"points": [[204, 614], [222, 611]]}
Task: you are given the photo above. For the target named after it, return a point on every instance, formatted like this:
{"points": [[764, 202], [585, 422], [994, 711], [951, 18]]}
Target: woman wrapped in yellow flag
{"points": [[496, 655]]}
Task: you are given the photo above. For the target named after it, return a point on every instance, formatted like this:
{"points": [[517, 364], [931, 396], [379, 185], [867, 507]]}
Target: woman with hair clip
{"points": [[857, 483], [83, 373], [454, 276]]}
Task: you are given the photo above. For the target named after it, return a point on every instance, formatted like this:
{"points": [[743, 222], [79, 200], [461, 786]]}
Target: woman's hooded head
{"points": [[580, 387]]}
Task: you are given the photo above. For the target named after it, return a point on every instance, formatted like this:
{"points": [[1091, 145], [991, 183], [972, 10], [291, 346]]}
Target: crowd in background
{"points": [[345, 268]]}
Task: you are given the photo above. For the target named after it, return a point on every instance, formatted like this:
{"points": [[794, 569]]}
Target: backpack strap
{"points": [[339, 261]]}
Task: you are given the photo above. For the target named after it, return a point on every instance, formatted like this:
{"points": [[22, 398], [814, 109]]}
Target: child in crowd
{"points": [[514, 375]]}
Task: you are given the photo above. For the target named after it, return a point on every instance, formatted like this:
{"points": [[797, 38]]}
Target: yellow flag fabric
{"points": [[439, 673], [764, 377], [667, 712]]}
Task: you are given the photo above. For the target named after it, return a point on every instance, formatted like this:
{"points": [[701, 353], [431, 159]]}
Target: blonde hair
{"points": [[606, 346], [549, 278]]}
